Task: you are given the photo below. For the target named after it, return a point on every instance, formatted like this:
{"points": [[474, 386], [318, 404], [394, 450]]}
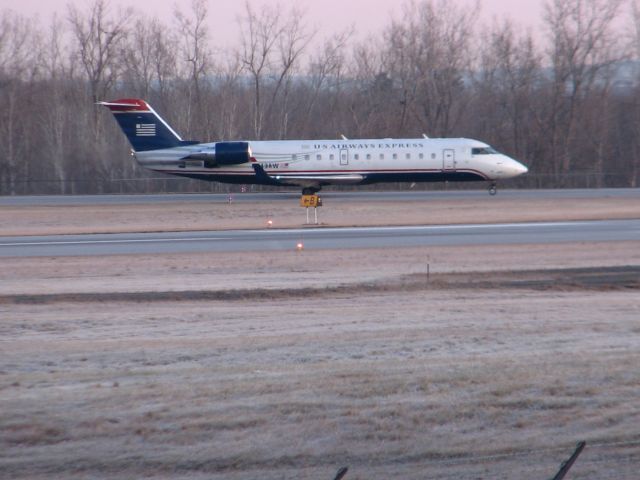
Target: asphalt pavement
{"points": [[320, 238], [404, 196]]}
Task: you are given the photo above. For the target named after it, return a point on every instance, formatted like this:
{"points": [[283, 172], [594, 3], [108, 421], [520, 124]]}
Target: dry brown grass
{"points": [[478, 375], [243, 366]]}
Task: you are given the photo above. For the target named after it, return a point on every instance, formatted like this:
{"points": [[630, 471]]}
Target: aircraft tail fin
{"points": [[144, 128]]}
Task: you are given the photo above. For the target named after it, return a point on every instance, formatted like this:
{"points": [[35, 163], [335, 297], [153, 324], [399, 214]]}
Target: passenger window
{"points": [[306, 157], [368, 156], [408, 156], [421, 156], [395, 156], [356, 157], [382, 156], [331, 157], [318, 157]]}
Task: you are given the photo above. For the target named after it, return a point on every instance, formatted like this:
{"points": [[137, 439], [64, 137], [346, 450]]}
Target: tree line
{"points": [[566, 101]]}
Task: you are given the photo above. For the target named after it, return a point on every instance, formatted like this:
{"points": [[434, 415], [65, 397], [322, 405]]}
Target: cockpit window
{"points": [[483, 151]]}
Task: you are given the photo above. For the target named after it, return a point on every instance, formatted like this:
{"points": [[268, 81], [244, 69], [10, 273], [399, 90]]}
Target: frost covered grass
{"points": [[458, 381]]}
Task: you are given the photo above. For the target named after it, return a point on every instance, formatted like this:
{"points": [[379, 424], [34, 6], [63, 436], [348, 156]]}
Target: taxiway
{"points": [[320, 238]]}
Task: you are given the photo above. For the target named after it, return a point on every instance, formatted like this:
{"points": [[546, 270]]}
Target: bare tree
{"points": [[505, 81], [164, 57], [429, 50], [260, 32], [18, 47], [635, 102], [582, 48], [54, 111], [99, 36], [325, 76], [195, 52], [294, 39], [271, 47], [564, 109], [229, 99], [373, 108], [138, 55]]}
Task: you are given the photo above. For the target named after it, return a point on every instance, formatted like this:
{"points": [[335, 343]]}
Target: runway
{"points": [[320, 238], [405, 196]]}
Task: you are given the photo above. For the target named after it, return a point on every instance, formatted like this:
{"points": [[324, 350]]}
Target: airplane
{"points": [[309, 164]]}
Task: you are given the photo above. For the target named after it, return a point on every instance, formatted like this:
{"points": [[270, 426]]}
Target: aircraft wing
{"points": [[310, 179], [346, 179]]}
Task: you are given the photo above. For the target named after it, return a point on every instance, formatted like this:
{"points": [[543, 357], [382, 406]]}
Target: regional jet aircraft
{"points": [[309, 164]]}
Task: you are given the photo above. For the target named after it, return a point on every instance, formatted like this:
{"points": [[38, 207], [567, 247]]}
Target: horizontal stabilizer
{"points": [[127, 105], [116, 104]]}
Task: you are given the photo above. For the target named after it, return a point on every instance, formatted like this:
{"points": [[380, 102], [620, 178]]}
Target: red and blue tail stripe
{"points": [[144, 128]]}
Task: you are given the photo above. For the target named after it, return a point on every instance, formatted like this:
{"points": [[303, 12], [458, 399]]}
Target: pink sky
{"points": [[328, 15]]}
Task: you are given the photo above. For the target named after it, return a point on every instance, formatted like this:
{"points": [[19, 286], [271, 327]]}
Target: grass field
{"points": [[487, 369], [400, 377]]}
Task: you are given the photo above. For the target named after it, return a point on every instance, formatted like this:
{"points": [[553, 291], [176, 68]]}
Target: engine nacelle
{"points": [[232, 153], [226, 153]]}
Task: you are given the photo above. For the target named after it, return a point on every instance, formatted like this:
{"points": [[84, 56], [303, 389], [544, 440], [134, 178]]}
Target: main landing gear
{"points": [[493, 189], [310, 190]]}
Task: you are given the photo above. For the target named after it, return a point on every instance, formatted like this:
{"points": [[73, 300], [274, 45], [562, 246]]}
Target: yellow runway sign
{"points": [[310, 201]]}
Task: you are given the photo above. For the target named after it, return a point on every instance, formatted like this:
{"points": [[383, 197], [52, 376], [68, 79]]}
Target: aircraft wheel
{"points": [[493, 190]]}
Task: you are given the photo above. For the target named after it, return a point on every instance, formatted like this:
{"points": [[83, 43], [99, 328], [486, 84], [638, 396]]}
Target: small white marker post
{"points": [[428, 268]]}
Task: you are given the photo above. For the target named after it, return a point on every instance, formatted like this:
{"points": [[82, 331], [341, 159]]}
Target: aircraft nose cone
{"points": [[517, 168], [522, 168]]}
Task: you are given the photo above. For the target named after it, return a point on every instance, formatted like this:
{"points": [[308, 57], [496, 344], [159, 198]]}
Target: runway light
{"points": [[299, 246], [269, 223]]}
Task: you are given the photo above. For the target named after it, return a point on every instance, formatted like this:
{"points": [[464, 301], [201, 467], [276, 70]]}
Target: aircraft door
{"points": [[448, 159], [344, 157]]}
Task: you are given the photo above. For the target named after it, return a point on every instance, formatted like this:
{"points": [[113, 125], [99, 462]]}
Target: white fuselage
{"points": [[307, 163], [323, 162]]}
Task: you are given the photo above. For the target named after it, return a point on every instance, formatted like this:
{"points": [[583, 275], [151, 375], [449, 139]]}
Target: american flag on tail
{"points": [[145, 129]]}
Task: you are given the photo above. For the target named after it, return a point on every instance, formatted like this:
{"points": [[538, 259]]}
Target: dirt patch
{"points": [[574, 279]]}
